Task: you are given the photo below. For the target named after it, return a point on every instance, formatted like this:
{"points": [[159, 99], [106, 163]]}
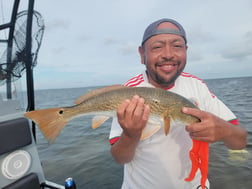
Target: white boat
{"points": [[19, 159]]}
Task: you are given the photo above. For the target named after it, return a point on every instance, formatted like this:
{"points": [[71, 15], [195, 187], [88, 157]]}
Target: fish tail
{"points": [[50, 121]]}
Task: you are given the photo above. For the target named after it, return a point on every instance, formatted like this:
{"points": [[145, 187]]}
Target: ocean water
{"points": [[84, 154]]}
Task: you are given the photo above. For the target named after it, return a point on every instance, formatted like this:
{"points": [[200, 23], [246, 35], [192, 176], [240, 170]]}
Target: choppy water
{"points": [[84, 154]]}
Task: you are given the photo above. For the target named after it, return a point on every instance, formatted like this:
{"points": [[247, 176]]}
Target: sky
{"points": [[94, 43]]}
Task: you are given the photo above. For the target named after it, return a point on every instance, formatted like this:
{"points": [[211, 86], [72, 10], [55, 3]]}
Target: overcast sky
{"points": [[96, 42]]}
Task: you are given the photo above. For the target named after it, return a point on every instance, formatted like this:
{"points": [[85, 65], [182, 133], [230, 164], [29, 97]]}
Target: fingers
{"points": [[122, 108], [146, 113], [133, 114], [140, 111], [194, 112], [131, 108], [193, 128], [135, 108], [208, 129]]}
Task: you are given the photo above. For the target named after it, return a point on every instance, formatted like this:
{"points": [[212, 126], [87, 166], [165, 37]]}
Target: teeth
{"points": [[168, 66]]}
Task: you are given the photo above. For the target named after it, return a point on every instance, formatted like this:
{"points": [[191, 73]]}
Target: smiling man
{"points": [[164, 55], [163, 161]]}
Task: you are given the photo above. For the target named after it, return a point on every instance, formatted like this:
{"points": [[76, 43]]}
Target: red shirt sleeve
{"points": [[113, 140], [234, 122]]}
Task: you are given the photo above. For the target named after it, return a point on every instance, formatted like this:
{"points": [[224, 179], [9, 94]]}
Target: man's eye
{"points": [[156, 47], [178, 46]]}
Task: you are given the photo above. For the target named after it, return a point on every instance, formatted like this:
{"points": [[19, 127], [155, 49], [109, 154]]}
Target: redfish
{"points": [[165, 107]]}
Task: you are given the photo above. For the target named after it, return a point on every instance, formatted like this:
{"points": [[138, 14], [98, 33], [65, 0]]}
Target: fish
{"points": [[165, 107]]}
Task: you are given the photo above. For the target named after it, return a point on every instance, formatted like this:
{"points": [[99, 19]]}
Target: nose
{"points": [[167, 52]]}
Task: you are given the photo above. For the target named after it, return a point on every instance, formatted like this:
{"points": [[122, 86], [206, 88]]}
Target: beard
{"points": [[161, 80]]}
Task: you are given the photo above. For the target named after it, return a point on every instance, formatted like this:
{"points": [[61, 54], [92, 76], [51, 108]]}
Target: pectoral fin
{"points": [[151, 128], [167, 121], [98, 120]]}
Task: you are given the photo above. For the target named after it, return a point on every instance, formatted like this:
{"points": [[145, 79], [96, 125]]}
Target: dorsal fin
{"points": [[97, 92]]}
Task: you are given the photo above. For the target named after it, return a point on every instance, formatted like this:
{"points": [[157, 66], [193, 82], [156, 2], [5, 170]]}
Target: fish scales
{"points": [[160, 102]]}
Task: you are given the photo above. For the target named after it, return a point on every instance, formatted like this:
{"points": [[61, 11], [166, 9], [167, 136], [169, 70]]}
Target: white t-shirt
{"points": [[162, 162]]}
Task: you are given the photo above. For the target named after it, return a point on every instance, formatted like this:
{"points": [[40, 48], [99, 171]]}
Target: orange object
{"points": [[199, 155]]}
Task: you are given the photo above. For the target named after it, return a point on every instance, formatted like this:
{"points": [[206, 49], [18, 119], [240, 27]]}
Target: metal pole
{"points": [[9, 47], [28, 63]]}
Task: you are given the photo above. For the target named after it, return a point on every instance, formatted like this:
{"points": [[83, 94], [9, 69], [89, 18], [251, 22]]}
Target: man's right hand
{"points": [[133, 116]]}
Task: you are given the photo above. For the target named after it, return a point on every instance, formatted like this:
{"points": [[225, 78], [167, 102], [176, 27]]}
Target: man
{"points": [[163, 161]]}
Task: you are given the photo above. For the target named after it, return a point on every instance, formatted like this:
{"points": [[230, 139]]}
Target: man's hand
{"points": [[132, 116], [213, 129]]}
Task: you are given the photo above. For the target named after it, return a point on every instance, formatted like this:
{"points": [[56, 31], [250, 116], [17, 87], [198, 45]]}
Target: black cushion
{"points": [[30, 181], [14, 134]]}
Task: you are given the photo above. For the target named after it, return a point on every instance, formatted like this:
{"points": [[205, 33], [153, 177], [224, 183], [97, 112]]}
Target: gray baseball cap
{"points": [[152, 30]]}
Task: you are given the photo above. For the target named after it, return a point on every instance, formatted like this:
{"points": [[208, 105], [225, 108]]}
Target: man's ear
{"points": [[141, 53]]}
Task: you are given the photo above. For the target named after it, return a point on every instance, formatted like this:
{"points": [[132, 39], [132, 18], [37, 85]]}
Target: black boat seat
{"points": [[14, 134], [30, 181], [19, 160]]}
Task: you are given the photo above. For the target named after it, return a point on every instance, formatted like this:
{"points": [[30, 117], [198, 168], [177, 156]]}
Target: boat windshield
{"points": [[14, 105]]}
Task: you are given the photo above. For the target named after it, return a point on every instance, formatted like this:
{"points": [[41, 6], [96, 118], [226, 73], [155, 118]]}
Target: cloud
{"points": [[94, 42], [240, 50], [128, 48], [198, 35], [123, 47], [57, 24], [111, 41]]}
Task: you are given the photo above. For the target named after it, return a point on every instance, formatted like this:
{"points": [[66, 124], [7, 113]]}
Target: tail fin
{"points": [[50, 121]]}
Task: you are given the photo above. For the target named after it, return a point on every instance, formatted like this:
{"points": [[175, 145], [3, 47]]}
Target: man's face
{"points": [[164, 56]]}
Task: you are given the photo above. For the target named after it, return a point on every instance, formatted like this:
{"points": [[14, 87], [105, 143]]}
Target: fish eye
{"points": [[61, 111]]}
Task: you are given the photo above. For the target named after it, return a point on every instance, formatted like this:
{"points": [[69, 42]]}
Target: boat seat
{"points": [[15, 133], [30, 181], [19, 160]]}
